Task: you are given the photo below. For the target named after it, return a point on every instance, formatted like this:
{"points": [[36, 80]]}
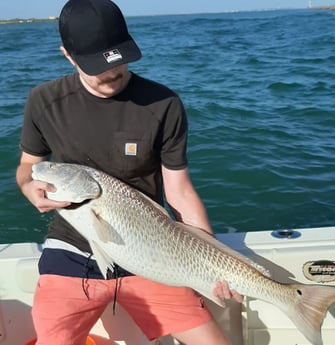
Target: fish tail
{"points": [[309, 309]]}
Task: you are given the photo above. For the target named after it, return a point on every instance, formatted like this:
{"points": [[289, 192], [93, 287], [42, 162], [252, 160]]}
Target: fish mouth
{"points": [[75, 205]]}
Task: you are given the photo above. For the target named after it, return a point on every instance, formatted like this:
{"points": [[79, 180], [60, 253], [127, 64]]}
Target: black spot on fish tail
{"points": [[309, 309]]}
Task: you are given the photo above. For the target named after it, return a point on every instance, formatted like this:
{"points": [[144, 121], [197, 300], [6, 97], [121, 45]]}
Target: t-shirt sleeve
{"points": [[32, 140], [174, 146]]}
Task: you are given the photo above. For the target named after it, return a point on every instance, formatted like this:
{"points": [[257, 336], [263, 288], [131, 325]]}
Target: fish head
{"points": [[73, 182]]}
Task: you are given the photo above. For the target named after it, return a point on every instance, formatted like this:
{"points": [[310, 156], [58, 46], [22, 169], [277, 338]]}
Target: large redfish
{"points": [[125, 227]]}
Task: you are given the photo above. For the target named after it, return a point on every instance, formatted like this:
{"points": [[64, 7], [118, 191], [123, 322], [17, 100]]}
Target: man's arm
{"points": [[188, 208], [183, 200]]}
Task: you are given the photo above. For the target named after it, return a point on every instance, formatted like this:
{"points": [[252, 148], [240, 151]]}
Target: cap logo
{"points": [[112, 55], [131, 149]]}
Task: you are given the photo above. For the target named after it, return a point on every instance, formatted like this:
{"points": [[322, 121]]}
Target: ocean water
{"points": [[258, 88]]}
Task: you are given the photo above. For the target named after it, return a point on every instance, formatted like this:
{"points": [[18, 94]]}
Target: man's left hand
{"points": [[222, 292]]}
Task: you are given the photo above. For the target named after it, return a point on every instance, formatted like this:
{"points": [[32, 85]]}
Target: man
{"points": [[111, 119]]}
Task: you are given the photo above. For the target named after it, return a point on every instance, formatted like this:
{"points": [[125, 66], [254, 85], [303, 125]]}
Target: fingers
{"points": [[237, 297], [36, 193], [222, 291], [46, 205]]}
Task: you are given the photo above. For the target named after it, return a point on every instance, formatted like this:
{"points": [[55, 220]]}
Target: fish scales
{"points": [[173, 246], [173, 239]]}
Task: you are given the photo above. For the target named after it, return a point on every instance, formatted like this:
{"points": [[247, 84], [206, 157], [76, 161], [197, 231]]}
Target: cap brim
{"points": [[98, 63]]}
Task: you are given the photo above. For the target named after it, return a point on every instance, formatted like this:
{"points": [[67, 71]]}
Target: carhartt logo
{"points": [[113, 55], [131, 149]]}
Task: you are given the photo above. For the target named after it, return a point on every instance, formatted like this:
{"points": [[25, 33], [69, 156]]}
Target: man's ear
{"points": [[67, 55]]}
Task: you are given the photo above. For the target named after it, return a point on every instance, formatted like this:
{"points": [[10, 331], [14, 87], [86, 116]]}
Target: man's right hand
{"points": [[35, 192]]}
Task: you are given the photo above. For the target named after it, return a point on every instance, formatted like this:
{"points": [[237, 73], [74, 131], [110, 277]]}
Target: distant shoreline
{"points": [[52, 19], [323, 7], [29, 20]]}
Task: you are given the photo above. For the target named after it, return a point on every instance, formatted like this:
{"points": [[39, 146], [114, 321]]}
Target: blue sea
{"points": [[258, 88]]}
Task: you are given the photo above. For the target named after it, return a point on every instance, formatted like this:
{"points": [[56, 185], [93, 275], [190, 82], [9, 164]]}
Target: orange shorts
{"points": [[63, 314]]}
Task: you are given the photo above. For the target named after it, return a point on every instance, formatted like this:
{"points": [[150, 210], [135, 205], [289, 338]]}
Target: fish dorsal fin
{"points": [[204, 235]]}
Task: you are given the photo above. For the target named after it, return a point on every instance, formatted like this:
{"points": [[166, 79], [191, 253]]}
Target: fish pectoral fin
{"points": [[105, 231], [103, 260]]}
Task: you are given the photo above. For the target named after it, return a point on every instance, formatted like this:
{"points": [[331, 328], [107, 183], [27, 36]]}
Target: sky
{"points": [[10, 9]]}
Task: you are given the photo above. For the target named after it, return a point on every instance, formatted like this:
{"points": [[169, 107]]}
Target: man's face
{"points": [[106, 84], [103, 85]]}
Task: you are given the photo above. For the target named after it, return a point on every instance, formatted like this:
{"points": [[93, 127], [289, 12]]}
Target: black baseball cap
{"points": [[95, 34]]}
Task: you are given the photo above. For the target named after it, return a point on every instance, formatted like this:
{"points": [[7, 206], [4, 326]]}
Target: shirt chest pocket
{"points": [[133, 154]]}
